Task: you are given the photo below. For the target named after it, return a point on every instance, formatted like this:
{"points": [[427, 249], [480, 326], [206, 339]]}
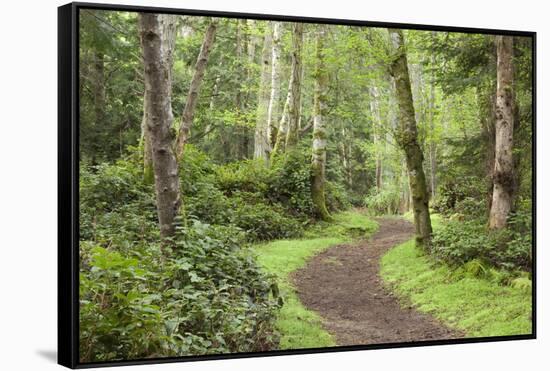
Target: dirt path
{"points": [[343, 285]]}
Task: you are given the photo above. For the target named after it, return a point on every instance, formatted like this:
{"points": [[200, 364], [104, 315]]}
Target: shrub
{"points": [[464, 196], [291, 182], [384, 202], [459, 242], [264, 222], [336, 197], [207, 295]]}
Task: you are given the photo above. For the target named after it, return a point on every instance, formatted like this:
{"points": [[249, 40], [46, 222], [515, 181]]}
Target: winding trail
{"points": [[343, 285]]}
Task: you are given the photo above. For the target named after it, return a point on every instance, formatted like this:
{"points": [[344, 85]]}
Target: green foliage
{"points": [[204, 294], [462, 197], [208, 296], [292, 184], [460, 242], [387, 201], [474, 303]]}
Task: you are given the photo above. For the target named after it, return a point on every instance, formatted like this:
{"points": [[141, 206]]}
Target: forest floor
{"points": [[343, 285]]}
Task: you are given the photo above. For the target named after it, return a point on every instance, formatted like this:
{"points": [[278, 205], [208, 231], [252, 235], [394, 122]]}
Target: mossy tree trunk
{"points": [[158, 85], [503, 175], [194, 88], [407, 138], [319, 156]]}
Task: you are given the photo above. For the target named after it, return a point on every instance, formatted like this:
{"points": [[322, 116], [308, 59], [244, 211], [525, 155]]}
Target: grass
{"points": [[300, 327], [477, 306]]}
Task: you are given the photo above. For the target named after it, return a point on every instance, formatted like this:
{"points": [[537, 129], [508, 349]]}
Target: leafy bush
{"points": [[459, 242], [336, 197], [463, 196], [291, 183], [384, 202], [207, 295], [264, 222]]}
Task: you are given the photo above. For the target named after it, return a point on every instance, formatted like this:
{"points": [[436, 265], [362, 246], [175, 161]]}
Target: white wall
{"points": [[28, 182]]}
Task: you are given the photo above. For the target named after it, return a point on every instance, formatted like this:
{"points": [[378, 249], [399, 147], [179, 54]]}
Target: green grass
{"points": [[477, 306], [300, 327]]}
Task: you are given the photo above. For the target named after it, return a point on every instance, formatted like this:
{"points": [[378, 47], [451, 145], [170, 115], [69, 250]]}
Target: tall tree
{"points": [[407, 137], [377, 129], [194, 88], [319, 155], [503, 175], [158, 85], [273, 109], [287, 134], [261, 134], [168, 33]]}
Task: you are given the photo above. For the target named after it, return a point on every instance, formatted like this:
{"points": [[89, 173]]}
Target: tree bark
{"points": [[273, 109], [158, 84], [319, 155], [261, 133], [375, 109], [432, 144], [503, 175], [168, 42], [294, 107], [287, 135], [407, 138], [194, 88]]}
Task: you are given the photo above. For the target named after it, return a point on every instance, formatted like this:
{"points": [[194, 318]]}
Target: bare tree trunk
{"points": [[294, 106], [375, 109], [319, 155], [407, 138], [287, 136], [273, 109], [194, 88], [168, 42], [261, 133], [503, 175], [432, 148], [158, 87]]}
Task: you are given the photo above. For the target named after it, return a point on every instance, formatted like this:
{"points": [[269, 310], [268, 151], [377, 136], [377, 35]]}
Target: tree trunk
{"points": [[273, 109], [503, 175], [294, 106], [168, 42], [319, 156], [375, 109], [194, 88], [432, 147], [287, 135], [158, 86], [407, 139], [261, 133]]}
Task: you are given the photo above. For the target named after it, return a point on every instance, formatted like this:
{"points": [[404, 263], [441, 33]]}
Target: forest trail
{"points": [[343, 285]]}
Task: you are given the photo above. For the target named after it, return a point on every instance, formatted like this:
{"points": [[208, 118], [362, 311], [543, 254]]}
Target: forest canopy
{"points": [[203, 137]]}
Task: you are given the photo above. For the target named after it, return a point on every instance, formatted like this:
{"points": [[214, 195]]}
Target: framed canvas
{"points": [[241, 185]]}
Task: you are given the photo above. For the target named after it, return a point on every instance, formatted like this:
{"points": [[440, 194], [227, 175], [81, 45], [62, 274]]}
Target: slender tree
{"points": [[273, 109], [407, 137], [503, 175], [168, 24], [319, 155], [261, 134], [287, 134], [194, 88], [158, 85], [377, 119]]}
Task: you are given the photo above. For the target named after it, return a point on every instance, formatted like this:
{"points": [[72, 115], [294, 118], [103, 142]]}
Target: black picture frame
{"points": [[68, 170]]}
